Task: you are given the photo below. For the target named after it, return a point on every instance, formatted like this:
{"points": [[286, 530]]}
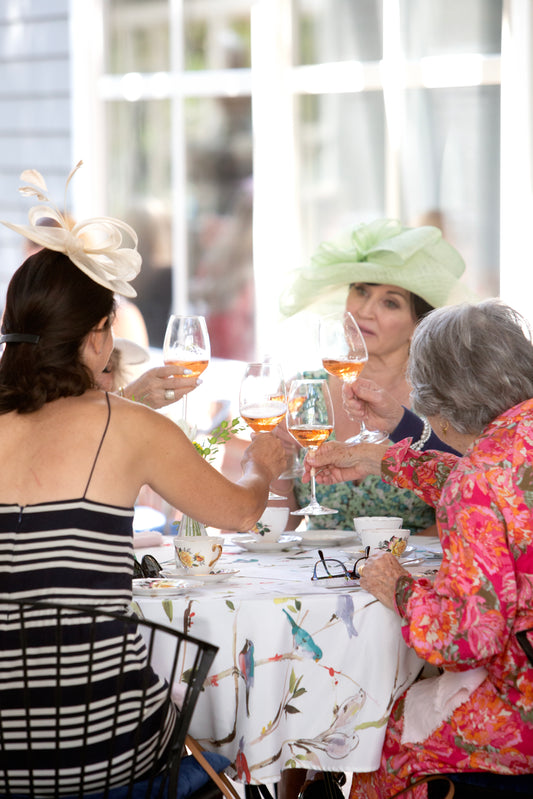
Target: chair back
{"points": [[82, 710]]}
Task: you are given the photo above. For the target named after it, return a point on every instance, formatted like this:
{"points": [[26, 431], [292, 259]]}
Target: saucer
{"points": [[216, 576], [254, 544], [359, 551], [159, 587], [323, 538]]}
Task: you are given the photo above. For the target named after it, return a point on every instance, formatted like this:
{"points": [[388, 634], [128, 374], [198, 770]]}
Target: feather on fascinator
{"points": [[94, 245], [384, 252]]}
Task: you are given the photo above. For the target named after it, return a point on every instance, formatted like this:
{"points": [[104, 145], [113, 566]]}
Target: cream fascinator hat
{"points": [[93, 245], [385, 252]]}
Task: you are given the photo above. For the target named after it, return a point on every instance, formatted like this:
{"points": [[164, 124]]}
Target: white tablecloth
{"points": [[305, 676]]}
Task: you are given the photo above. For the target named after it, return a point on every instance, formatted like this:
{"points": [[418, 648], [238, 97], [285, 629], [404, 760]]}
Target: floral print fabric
{"points": [[371, 497], [481, 596]]}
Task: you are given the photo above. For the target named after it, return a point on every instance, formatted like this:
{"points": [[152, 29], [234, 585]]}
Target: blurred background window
{"points": [[236, 135]]}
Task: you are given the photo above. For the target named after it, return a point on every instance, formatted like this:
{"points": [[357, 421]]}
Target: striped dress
{"points": [[78, 552]]}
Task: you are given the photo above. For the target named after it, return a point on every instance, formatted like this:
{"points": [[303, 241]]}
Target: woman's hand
{"points": [[365, 401], [290, 444], [337, 462], [267, 452], [379, 575], [151, 386]]}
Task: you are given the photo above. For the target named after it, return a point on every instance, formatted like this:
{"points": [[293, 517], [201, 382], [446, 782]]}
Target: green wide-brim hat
{"points": [[416, 259]]}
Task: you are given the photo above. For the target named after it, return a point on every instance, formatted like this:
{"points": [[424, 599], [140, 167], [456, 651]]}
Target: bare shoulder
{"points": [[141, 421]]}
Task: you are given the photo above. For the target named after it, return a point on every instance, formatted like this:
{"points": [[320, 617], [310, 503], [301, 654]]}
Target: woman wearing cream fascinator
{"points": [[78, 457]]}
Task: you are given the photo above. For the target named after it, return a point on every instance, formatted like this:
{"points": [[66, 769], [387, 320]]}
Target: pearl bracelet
{"points": [[426, 432]]}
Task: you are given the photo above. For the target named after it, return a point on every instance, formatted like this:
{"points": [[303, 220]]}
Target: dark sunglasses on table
{"points": [[329, 568], [148, 567]]}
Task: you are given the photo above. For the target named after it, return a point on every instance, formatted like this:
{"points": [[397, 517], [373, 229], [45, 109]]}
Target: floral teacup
{"points": [[197, 553], [385, 540], [271, 523]]}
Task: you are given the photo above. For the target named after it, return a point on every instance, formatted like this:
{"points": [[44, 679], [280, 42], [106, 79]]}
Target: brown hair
{"points": [[50, 297]]}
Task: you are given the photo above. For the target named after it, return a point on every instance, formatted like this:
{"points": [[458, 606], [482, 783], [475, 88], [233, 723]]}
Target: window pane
{"points": [[337, 30], [341, 152], [219, 189], [139, 191], [137, 36], [450, 27], [217, 35], [450, 173]]}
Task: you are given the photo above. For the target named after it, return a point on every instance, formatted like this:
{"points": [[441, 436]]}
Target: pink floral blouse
{"points": [[481, 596]]}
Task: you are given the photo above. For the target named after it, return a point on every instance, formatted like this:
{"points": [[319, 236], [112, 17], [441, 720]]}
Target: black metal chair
{"points": [[48, 675]]}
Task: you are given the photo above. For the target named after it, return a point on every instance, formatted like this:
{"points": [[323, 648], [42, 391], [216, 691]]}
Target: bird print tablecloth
{"points": [[305, 676]]}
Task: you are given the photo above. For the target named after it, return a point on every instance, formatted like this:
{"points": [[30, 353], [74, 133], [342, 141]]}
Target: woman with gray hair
{"points": [[471, 369]]}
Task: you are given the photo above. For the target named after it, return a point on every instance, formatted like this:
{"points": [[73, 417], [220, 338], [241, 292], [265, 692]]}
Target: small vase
{"points": [[188, 526]]}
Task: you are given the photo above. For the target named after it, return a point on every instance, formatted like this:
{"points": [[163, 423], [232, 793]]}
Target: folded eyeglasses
{"points": [[148, 567], [329, 568]]}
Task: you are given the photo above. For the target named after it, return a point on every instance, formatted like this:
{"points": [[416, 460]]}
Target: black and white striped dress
{"points": [[72, 552]]}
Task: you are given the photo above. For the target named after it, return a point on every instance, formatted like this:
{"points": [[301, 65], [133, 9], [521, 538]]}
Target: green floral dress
{"points": [[371, 497]]}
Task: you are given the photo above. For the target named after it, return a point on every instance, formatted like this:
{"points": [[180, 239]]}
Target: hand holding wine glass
{"points": [[263, 399], [187, 345], [344, 355], [310, 421]]}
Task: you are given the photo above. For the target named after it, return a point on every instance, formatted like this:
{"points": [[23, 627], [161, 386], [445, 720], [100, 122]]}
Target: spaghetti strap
{"points": [[100, 444]]}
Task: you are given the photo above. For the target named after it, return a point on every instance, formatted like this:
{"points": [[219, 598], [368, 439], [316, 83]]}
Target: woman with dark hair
{"points": [[78, 457], [478, 714], [388, 276]]}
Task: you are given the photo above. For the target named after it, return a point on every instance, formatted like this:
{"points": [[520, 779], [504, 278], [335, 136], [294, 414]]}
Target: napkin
{"points": [[147, 538], [428, 703]]}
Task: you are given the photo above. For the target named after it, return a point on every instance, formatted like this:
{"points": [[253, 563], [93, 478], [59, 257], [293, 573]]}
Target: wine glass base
{"points": [[313, 510], [368, 437], [291, 474]]}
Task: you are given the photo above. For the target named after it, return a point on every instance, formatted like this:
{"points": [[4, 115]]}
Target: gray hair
{"points": [[470, 363]]}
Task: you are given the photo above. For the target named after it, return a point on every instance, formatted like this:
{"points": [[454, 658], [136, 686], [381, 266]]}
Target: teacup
{"points": [[271, 523], [368, 522], [385, 539], [197, 553]]}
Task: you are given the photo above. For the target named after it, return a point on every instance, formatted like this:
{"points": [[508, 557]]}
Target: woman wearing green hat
{"points": [[388, 276]]}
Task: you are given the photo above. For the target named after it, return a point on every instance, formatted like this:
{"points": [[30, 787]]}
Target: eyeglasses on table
{"points": [[330, 568], [148, 567]]}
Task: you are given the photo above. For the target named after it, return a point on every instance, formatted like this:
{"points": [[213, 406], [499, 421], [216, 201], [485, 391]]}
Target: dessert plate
{"points": [[160, 587], [254, 544]]}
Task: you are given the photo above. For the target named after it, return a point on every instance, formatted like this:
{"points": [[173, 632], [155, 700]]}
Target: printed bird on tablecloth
{"points": [[303, 640], [340, 737], [246, 666], [241, 764], [344, 612]]}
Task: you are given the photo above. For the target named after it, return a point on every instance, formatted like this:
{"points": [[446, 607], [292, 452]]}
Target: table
{"points": [[305, 676]]}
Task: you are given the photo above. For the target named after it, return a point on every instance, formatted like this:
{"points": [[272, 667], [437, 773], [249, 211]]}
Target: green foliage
{"points": [[220, 435]]}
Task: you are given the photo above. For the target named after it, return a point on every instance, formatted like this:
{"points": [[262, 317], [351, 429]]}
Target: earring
{"points": [[444, 428]]}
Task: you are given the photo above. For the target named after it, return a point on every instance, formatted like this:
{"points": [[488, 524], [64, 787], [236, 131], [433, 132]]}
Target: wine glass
{"points": [[263, 399], [187, 345], [310, 421], [344, 355]]}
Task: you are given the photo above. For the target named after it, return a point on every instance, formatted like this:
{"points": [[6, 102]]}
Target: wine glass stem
{"points": [[313, 486], [185, 407]]}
